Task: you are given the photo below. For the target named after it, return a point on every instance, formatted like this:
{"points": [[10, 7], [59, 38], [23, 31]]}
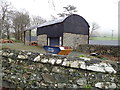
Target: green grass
{"points": [[18, 41], [21, 46], [103, 38]]}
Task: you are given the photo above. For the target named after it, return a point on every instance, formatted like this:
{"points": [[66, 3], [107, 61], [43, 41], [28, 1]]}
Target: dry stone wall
{"points": [[27, 69]]}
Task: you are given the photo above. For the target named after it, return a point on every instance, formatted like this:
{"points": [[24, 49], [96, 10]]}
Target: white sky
{"points": [[103, 12]]}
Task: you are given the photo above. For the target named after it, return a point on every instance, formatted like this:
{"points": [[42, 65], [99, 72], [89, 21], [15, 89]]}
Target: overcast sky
{"points": [[103, 12]]}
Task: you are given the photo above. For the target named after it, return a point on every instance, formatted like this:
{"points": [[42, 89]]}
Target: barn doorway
{"points": [[54, 41]]}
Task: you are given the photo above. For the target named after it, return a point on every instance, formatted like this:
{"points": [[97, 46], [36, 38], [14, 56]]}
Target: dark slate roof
{"points": [[33, 38]]}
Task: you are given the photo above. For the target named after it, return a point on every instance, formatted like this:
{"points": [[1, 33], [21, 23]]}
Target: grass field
{"points": [[103, 38], [21, 46]]}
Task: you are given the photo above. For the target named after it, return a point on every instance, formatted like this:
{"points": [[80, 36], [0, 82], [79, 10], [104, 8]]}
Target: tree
{"points": [[52, 3], [21, 20], [68, 10], [53, 18], [94, 27], [5, 18], [37, 20]]}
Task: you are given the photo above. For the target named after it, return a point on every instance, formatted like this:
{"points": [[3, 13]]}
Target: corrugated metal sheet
{"points": [[72, 24], [47, 23], [52, 22], [76, 24], [54, 30], [31, 28]]}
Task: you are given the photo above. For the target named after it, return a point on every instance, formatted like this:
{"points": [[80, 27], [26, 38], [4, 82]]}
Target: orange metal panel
{"points": [[65, 52]]}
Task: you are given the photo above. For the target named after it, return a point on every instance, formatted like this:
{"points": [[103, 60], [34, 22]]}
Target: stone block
{"points": [[61, 78], [48, 78], [44, 60], [74, 64], [22, 57], [37, 58], [82, 64], [105, 85], [66, 63], [81, 81], [52, 61], [58, 61]]}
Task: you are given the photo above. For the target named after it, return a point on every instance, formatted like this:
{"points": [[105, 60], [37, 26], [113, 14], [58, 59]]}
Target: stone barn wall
{"points": [[42, 40], [26, 41], [74, 40]]}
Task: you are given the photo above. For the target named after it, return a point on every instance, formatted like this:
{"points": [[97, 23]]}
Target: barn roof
{"points": [[52, 22], [74, 23], [47, 23], [31, 28]]}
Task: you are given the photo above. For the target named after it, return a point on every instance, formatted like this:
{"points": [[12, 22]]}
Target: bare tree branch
{"points": [[20, 21], [94, 26], [37, 20], [5, 18]]}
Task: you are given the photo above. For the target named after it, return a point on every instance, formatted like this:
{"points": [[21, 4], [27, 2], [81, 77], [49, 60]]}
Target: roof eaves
{"points": [[46, 24], [52, 22], [31, 28]]}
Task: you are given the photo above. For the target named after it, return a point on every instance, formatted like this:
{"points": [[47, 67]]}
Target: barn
{"points": [[33, 40], [69, 31]]}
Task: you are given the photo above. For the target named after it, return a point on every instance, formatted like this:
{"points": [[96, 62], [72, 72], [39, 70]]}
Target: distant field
{"points": [[103, 38]]}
